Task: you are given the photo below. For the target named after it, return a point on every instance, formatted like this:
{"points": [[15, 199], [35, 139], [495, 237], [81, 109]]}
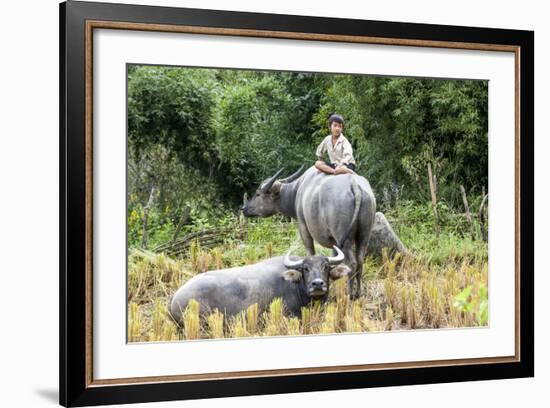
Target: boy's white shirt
{"points": [[341, 153]]}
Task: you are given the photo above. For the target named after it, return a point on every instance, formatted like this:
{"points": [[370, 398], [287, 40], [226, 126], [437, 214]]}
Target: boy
{"points": [[339, 149]]}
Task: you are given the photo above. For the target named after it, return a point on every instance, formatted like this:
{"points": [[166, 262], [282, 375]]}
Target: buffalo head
{"points": [[316, 272], [264, 201]]}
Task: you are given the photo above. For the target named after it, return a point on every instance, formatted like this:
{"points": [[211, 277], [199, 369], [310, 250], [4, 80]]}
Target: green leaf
{"points": [[461, 301]]}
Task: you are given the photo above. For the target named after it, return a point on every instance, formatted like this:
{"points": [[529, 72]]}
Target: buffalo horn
{"points": [[292, 177], [291, 264], [271, 180], [338, 258]]}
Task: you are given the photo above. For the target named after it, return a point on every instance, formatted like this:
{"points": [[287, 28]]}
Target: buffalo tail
{"points": [[357, 194]]}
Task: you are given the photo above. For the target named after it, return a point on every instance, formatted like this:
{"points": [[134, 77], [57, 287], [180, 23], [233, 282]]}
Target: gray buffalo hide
{"points": [[382, 236]]}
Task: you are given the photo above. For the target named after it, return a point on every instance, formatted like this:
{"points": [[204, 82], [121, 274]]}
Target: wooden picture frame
{"points": [[78, 20]]}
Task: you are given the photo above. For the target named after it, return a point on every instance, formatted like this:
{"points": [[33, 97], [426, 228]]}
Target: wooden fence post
{"points": [[243, 220], [433, 188], [481, 216], [467, 209]]}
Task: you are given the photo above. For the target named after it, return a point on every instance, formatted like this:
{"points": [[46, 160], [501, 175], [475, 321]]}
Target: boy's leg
{"points": [[324, 167], [346, 168]]}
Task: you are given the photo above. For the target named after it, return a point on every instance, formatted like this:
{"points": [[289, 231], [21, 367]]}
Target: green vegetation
{"points": [[199, 139], [442, 284]]}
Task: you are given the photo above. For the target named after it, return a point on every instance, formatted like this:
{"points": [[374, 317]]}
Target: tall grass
{"points": [[215, 324], [191, 321], [442, 284]]}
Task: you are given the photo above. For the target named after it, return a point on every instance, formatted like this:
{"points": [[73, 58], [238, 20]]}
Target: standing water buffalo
{"points": [[297, 281], [330, 209]]}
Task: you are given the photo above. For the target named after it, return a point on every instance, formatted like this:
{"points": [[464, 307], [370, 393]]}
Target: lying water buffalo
{"points": [[330, 209], [296, 280]]}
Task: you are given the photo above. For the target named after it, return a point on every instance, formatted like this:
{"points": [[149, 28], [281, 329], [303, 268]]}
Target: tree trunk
{"points": [[146, 216], [183, 220]]}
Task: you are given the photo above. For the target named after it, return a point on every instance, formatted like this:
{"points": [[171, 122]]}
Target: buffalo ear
{"points": [[292, 275], [340, 271], [275, 189]]}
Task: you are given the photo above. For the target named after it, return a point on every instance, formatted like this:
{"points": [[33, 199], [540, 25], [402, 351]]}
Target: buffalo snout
{"points": [[317, 288]]}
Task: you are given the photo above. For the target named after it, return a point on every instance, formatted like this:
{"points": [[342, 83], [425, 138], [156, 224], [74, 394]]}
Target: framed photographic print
{"points": [[259, 203]]}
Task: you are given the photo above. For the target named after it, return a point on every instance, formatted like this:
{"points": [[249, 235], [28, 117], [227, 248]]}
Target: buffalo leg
{"points": [[306, 239], [352, 263], [361, 255], [361, 247]]}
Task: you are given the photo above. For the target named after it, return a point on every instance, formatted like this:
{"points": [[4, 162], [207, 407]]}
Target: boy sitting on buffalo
{"points": [[338, 148]]}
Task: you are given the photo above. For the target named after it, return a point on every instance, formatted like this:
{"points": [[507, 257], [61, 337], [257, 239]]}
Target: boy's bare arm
{"points": [[342, 169]]}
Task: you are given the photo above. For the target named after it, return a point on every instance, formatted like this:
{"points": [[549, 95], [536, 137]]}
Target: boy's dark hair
{"points": [[334, 117]]}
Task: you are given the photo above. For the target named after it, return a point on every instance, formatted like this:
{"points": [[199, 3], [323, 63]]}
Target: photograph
{"points": [[267, 203]]}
